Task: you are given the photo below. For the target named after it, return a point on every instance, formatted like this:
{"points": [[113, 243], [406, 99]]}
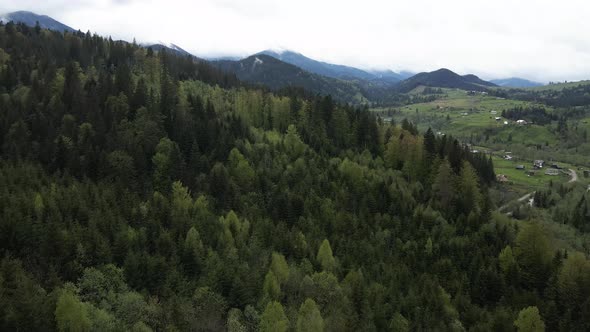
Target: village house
{"points": [[538, 163], [521, 122], [520, 167]]}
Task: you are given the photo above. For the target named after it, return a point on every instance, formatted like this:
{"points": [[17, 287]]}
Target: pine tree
{"points": [[529, 320], [325, 257], [309, 318], [273, 319]]}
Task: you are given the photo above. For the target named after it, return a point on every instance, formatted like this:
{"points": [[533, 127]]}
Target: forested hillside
{"points": [[143, 190]]}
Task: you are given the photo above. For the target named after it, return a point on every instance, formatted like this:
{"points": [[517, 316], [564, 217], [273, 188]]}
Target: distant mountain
{"points": [[31, 19], [332, 70], [276, 74], [390, 76], [169, 47], [444, 78], [516, 82]]}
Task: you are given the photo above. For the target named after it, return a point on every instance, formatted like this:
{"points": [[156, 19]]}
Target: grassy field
{"points": [[463, 115], [519, 180], [467, 116]]}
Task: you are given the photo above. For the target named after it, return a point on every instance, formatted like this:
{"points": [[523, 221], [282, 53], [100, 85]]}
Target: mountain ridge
{"points": [[444, 78], [276, 74], [31, 19], [333, 70]]}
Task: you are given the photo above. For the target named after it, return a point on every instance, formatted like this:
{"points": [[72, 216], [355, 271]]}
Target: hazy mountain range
{"points": [[280, 69], [515, 82], [332, 70]]}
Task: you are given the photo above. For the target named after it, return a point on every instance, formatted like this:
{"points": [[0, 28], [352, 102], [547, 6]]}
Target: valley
{"points": [[476, 118], [148, 187]]}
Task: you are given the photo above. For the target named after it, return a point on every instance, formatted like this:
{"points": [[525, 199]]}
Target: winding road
{"points": [[574, 178]]}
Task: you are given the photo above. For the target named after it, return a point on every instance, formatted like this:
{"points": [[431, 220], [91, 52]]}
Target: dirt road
{"points": [[574, 178]]}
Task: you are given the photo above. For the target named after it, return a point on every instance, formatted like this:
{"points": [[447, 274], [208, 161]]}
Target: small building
{"points": [[505, 122], [498, 118], [501, 178], [552, 171], [521, 122], [520, 167], [493, 112], [530, 173], [508, 157], [538, 163]]}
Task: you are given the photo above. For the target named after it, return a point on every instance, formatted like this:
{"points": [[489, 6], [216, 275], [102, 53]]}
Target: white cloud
{"points": [[538, 39]]}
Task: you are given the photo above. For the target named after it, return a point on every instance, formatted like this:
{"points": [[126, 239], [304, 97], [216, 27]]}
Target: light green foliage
{"points": [[235, 321], [325, 257], [241, 170], [181, 201], [140, 327], [325, 289], [193, 244], [293, 143], [235, 231], [428, 247], [310, 319], [271, 289], [273, 318], [506, 259], [71, 315], [529, 320], [279, 267], [131, 308], [182, 206], [102, 320], [38, 206], [352, 172]]}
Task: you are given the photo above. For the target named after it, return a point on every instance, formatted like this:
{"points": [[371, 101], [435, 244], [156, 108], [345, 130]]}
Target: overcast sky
{"points": [[544, 40]]}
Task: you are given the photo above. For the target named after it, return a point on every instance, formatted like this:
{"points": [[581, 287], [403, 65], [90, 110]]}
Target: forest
{"points": [[147, 191]]}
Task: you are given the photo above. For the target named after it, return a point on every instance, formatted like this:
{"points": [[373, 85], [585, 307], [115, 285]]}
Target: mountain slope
{"points": [[333, 70], [276, 74], [169, 47], [444, 78], [31, 19], [515, 82]]}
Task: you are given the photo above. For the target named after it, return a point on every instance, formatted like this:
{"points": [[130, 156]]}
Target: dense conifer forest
{"points": [[148, 191]]}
